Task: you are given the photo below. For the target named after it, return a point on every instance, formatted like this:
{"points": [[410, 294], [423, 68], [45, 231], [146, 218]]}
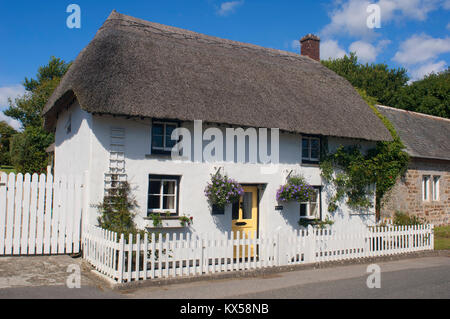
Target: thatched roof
{"points": [[424, 136], [137, 68]]}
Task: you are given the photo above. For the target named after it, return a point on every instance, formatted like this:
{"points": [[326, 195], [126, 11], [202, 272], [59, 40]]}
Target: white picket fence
{"points": [[172, 255], [39, 216]]}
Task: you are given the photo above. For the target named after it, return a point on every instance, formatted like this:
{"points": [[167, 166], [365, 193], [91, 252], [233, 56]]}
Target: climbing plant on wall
{"points": [[352, 172]]}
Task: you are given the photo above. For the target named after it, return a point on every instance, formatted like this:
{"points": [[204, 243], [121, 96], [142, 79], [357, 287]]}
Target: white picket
{"points": [[33, 211], [3, 198], [45, 213], [18, 214], [25, 214]]}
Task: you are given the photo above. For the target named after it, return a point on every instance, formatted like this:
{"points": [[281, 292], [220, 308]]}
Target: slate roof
{"points": [[424, 136]]}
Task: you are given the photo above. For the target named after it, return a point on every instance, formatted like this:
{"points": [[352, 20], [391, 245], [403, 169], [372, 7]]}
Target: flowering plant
{"points": [[296, 189], [186, 221], [222, 190]]}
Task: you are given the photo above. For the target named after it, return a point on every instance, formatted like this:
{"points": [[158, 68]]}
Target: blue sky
{"points": [[414, 33]]}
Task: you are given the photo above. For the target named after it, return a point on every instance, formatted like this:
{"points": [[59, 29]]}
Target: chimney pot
{"points": [[310, 46]]}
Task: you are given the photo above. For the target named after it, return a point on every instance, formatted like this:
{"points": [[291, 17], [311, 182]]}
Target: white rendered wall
{"points": [[195, 176]]}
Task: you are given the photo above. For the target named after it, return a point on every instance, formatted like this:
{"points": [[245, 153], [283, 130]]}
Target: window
{"points": [[435, 190], [426, 188], [310, 149], [163, 194], [311, 209], [161, 137]]}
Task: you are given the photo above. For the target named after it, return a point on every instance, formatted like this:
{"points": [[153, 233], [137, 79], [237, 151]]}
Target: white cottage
{"points": [[115, 109]]}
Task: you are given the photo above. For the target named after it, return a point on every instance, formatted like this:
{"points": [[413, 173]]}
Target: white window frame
{"points": [[435, 188], [309, 158], [164, 148], [308, 206], [161, 196], [426, 188]]}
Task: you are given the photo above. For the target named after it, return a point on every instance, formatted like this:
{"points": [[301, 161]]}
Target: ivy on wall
{"points": [[352, 172]]}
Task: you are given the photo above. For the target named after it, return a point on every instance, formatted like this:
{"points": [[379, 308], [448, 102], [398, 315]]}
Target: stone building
{"points": [[424, 191]]}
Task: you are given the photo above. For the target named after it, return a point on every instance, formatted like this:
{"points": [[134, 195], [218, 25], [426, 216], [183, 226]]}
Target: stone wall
{"points": [[407, 197]]}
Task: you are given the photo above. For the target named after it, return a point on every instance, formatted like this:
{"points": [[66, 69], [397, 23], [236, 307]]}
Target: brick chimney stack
{"points": [[310, 46]]}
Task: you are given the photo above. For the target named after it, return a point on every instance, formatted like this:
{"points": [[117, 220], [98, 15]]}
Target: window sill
{"points": [[166, 222]]}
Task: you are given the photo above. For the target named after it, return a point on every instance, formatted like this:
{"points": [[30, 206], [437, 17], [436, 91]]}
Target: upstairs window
{"points": [[162, 142], [310, 149]]}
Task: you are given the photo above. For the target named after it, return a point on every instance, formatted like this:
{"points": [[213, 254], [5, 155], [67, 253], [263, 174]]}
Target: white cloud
{"points": [[446, 4], [425, 69], [366, 52], [10, 92], [331, 49], [350, 16], [12, 122], [421, 48], [229, 7]]}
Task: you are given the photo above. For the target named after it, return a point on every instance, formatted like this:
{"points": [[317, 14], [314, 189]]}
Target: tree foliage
{"points": [[431, 95], [6, 133], [27, 148], [391, 87], [378, 80]]}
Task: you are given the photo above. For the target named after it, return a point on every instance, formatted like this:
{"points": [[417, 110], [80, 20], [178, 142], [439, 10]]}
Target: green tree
{"points": [[6, 133], [28, 147], [431, 95], [378, 80]]}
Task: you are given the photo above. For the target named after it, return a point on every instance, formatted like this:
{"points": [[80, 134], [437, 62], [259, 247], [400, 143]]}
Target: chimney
{"points": [[310, 46]]}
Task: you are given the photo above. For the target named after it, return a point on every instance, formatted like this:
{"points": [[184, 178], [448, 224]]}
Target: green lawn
{"points": [[442, 237]]}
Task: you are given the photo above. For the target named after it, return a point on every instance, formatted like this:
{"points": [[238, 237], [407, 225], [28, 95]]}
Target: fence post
{"points": [[121, 257]]}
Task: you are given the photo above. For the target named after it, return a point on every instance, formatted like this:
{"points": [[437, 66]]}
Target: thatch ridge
{"points": [[137, 68]]}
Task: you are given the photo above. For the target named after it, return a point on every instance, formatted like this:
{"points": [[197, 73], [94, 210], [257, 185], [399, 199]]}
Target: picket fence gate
{"points": [[171, 255], [39, 216]]}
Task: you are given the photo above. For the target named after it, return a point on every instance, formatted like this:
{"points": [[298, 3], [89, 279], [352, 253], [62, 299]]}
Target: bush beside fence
{"points": [[179, 255]]}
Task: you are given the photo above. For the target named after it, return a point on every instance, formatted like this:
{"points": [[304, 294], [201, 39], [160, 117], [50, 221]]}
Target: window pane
{"points": [[303, 210], [169, 142], [154, 202], [313, 210], [305, 148], [235, 211], [158, 129], [170, 128], [169, 202], [157, 141], [315, 149], [425, 186], [247, 205], [169, 188], [154, 187]]}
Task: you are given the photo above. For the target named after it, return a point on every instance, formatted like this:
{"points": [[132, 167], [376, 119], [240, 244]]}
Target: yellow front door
{"points": [[245, 219]]}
